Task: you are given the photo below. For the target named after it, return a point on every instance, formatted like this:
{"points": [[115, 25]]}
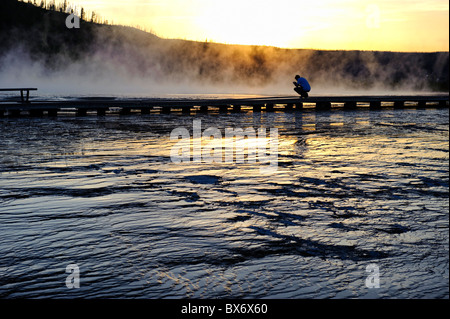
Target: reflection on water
{"points": [[352, 188]]}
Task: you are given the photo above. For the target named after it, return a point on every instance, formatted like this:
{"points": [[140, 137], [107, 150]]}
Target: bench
{"points": [[24, 99]]}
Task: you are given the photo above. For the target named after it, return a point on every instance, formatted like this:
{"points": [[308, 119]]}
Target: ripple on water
{"points": [[352, 188]]}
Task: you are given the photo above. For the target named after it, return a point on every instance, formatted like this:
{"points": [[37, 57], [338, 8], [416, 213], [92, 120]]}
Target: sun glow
{"points": [[389, 25], [261, 22]]}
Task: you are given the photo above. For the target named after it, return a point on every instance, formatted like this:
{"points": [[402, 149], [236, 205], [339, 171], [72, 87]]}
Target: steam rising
{"points": [[117, 60]]}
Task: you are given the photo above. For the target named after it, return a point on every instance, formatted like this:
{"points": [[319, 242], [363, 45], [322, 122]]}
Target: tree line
{"points": [[67, 7]]}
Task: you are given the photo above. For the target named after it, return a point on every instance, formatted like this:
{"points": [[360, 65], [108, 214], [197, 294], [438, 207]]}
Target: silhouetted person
{"points": [[302, 86]]}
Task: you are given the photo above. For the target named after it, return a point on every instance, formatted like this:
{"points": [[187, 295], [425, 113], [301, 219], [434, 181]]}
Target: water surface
{"points": [[352, 188]]}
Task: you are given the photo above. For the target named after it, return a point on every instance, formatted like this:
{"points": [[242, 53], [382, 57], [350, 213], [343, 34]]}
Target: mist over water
{"points": [[352, 188], [124, 61]]}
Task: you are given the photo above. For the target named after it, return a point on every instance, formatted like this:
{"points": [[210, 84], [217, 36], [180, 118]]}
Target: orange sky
{"points": [[391, 25]]}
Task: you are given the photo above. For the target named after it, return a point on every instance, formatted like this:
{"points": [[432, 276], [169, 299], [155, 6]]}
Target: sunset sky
{"points": [[392, 25]]}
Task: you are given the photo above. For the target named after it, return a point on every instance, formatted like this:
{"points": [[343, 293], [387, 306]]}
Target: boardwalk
{"points": [[102, 106]]}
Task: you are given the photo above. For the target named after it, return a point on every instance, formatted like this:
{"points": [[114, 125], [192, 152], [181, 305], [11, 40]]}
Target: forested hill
{"points": [[39, 36]]}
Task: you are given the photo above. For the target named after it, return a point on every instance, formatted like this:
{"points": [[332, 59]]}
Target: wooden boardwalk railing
{"points": [[24, 99], [165, 105]]}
